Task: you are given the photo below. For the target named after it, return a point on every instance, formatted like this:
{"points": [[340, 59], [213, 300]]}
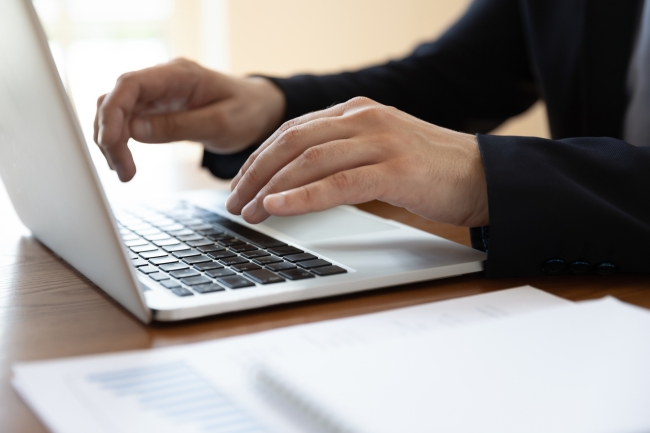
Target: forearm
{"points": [[581, 202]]}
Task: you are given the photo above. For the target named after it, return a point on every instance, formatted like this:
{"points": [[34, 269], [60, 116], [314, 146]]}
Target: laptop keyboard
{"points": [[192, 251]]}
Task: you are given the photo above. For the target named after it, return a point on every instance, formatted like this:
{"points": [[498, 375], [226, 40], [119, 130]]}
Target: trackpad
{"points": [[333, 223]]}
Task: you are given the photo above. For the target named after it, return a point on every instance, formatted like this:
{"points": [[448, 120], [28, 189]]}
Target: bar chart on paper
{"points": [[165, 397]]}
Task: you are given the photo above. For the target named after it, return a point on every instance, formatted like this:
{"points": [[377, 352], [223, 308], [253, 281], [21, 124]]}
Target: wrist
{"points": [[478, 212], [272, 103]]}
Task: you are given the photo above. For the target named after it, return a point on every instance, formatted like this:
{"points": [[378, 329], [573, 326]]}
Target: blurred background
{"points": [[94, 41]]}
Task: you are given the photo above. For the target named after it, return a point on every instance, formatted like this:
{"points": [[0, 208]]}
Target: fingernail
{"points": [[276, 200], [141, 128], [232, 201], [249, 209]]}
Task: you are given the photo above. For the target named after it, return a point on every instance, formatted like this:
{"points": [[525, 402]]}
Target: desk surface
{"points": [[49, 310]]}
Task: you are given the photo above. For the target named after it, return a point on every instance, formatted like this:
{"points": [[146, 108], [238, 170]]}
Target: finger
{"points": [[354, 186], [288, 146], [334, 111], [196, 125], [316, 163]]}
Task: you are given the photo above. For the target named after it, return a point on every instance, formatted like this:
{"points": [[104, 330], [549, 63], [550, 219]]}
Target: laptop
{"points": [[185, 257]]}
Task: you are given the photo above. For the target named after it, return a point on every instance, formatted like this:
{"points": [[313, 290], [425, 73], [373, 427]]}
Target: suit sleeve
{"points": [[579, 205], [471, 79]]}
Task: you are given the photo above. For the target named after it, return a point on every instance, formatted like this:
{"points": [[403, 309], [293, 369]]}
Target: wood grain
{"points": [[49, 310]]}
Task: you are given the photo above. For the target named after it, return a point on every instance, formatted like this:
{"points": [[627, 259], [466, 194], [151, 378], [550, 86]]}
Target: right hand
{"points": [[181, 100]]}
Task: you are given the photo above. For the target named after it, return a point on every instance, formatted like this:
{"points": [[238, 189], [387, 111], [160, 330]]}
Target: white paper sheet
{"points": [[581, 368], [207, 386]]}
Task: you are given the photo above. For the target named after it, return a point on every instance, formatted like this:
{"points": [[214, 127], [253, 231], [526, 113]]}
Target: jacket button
{"points": [[554, 267], [606, 269], [580, 268]]}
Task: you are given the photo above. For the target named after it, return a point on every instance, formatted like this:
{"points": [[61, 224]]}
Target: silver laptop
{"points": [[187, 257]]}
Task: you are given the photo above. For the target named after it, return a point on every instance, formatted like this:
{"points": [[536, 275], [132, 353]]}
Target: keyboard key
{"points": [[139, 262], [282, 266], [208, 288], [285, 251], [170, 284], [300, 257], [210, 231], [230, 242], [186, 253], [329, 270], [188, 238], [263, 276], [193, 281], [200, 243], [153, 254], [159, 276], [216, 273], [251, 236], [181, 291], [130, 238], [174, 267], [266, 260], [207, 266], [243, 247], [148, 232], [229, 261], [148, 269], [133, 256], [254, 254], [296, 274], [235, 282], [196, 259], [217, 255], [144, 248], [218, 236], [158, 237], [173, 227], [167, 242], [136, 243], [181, 232], [200, 226], [185, 273], [245, 267], [210, 248], [310, 264], [174, 248], [163, 260]]}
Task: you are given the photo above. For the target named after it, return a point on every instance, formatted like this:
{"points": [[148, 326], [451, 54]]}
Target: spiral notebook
{"points": [[575, 368]]}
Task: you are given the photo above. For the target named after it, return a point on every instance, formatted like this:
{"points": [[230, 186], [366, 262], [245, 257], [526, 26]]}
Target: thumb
{"points": [[195, 125]]}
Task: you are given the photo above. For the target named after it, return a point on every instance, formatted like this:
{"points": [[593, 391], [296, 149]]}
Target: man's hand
{"points": [[181, 100], [361, 151]]}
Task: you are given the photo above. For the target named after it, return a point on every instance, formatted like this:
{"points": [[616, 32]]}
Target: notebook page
{"points": [[77, 401], [577, 368]]}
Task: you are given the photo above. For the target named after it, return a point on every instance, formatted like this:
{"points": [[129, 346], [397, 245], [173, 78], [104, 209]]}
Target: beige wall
{"points": [[282, 37]]}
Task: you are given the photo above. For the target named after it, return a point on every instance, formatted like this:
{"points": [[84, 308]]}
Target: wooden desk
{"points": [[49, 310]]}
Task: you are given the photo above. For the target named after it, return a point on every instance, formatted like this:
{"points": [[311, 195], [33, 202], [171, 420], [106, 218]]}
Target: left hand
{"points": [[360, 151]]}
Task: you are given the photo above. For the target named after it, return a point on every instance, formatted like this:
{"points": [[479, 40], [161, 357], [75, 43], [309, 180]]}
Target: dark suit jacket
{"points": [[578, 203]]}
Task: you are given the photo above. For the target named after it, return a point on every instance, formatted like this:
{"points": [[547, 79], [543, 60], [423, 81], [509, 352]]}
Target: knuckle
{"points": [[312, 156], [290, 137], [169, 126], [125, 78], [360, 101], [288, 125], [253, 173], [342, 181]]}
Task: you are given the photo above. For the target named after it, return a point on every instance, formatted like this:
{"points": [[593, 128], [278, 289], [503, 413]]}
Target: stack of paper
{"points": [[519, 360]]}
